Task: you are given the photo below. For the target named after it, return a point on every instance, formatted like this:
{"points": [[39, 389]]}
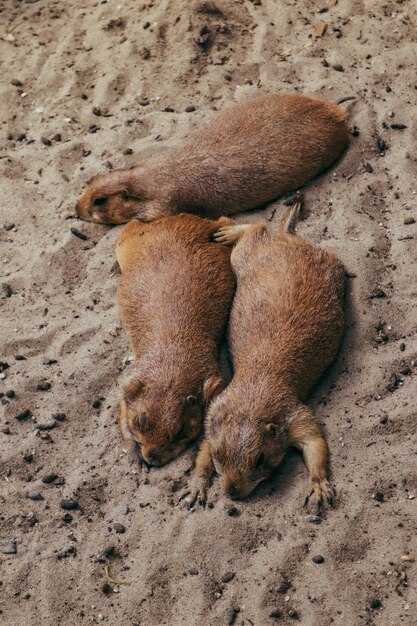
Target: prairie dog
{"points": [[245, 156], [285, 328], [174, 296]]}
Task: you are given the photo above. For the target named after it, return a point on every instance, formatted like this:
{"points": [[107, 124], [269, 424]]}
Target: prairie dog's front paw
{"points": [[197, 492], [318, 490], [228, 235]]}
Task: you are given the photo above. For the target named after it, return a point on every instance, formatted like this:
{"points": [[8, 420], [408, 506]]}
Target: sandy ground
{"points": [[136, 64]]}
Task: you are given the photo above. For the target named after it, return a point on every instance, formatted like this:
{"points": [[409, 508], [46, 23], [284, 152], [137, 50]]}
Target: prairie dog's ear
{"points": [[271, 430], [211, 388], [131, 389]]}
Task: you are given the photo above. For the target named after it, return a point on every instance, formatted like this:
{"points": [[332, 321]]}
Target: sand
{"points": [[130, 61]]}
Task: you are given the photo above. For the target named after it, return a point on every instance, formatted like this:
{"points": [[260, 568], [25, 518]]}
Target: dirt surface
{"points": [[94, 79]]}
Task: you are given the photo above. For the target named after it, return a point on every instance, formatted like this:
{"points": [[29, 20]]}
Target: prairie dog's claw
{"points": [[228, 235], [196, 493], [320, 489]]}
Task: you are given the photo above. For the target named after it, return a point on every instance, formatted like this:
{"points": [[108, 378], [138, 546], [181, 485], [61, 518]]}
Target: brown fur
{"points": [[285, 328], [174, 295], [247, 155]]}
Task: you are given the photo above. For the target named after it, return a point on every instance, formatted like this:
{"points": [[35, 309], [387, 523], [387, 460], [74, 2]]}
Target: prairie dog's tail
{"points": [[290, 219]]}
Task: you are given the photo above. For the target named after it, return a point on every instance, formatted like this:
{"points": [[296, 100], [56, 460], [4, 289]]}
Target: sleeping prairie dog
{"points": [[174, 296], [245, 156], [285, 329]]}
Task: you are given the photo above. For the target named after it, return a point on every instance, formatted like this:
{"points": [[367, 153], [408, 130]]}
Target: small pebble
{"points": [[128, 151], [190, 109], [7, 290], [106, 589], [227, 577], [109, 551], [8, 226], [379, 496], [24, 415], [49, 478], [231, 615], [384, 418], [9, 547], [338, 67], [409, 220], [398, 126], [232, 511], [375, 604], [10, 394], [67, 518], [318, 559], [46, 141], [193, 572], [125, 510], [16, 82], [119, 528], [146, 25], [369, 168], [78, 233], [275, 614], [96, 404], [69, 504], [44, 385], [402, 347], [59, 416], [45, 425], [35, 495]]}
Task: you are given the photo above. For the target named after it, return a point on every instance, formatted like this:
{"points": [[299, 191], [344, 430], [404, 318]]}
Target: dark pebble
{"points": [[93, 128], [376, 604], [7, 290], [383, 419], [35, 495], [193, 572], [46, 141], [128, 151], [322, 10], [405, 371], [354, 132], [318, 559], [409, 220], [169, 110], [16, 82], [338, 67], [379, 496], [275, 614], [10, 394], [64, 554], [190, 109], [78, 233], [231, 615], [50, 362], [284, 586], [20, 136], [232, 511], [4, 366], [97, 111], [9, 547], [146, 53], [227, 577], [20, 357], [49, 478], [377, 293], [398, 126], [67, 518], [325, 63], [369, 168], [106, 589], [146, 25], [44, 385], [28, 458], [96, 404], [57, 137], [109, 551], [24, 415], [59, 416], [69, 505], [402, 347], [382, 146], [9, 226], [119, 528], [388, 89], [293, 614]]}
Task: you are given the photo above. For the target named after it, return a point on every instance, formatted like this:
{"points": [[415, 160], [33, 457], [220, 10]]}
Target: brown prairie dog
{"points": [[285, 329], [245, 156], [174, 296]]}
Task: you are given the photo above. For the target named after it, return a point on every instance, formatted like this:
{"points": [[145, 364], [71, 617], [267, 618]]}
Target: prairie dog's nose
{"points": [[153, 458], [233, 492]]}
